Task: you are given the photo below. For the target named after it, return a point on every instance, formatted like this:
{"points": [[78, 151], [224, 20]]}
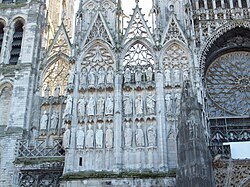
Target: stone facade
{"points": [[94, 103]]}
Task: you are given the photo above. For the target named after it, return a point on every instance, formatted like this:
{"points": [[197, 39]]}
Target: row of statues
{"points": [[140, 104], [44, 122], [174, 77], [172, 102], [56, 92], [139, 75]]}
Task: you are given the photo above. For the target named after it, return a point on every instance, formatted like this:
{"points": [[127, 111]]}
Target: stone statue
{"points": [[101, 76], [109, 135], [99, 136], [66, 138], [47, 91], [71, 77], [110, 76], [128, 133], [167, 77], [138, 105], [83, 79], [80, 138], [33, 135], [139, 136], [177, 77], [109, 107], [177, 103], [57, 91], [149, 74], [127, 76], [169, 103], [100, 106], [150, 104], [91, 77], [54, 122], [138, 75], [68, 108], [151, 134], [89, 142], [81, 107], [44, 121], [128, 106], [91, 106]]}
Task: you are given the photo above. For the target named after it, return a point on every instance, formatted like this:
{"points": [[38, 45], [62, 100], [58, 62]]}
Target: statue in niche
{"points": [[150, 104], [101, 76], [57, 91], [100, 106], [138, 105], [167, 77], [54, 122], [91, 106], [99, 136], [83, 79], [91, 77], [81, 107], [128, 133], [66, 138], [149, 74], [139, 136], [80, 138], [169, 103], [47, 91], [89, 142], [128, 107], [33, 135], [177, 77], [110, 76], [109, 135], [177, 103], [68, 108], [71, 77], [138, 75], [127, 76], [109, 107], [151, 134], [44, 121]]}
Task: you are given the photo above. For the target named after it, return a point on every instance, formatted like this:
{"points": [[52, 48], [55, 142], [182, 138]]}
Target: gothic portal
{"points": [[92, 96]]}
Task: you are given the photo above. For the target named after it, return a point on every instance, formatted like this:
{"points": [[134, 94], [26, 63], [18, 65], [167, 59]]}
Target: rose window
{"points": [[228, 82]]}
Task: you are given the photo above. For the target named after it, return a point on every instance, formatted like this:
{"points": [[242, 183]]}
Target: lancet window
{"points": [[1, 34], [5, 103], [16, 43]]}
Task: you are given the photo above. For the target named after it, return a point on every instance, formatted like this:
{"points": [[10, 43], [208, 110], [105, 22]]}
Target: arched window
{"points": [[16, 43], [1, 34], [5, 103]]}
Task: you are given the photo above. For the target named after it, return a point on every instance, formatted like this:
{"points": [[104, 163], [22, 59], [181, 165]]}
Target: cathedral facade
{"points": [[87, 99]]}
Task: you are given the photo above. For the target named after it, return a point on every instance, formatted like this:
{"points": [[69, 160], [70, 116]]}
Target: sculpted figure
{"points": [[101, 76], [89, 142], [81, 107], [100, 106], [66, 138], [44, 121], [83, 79], [178, 102], [47, 91], [54, 122], [91, 106], [68, 108], [169, 103], [138, 75], [33, 135], [139, 136], [79, 137], [71, 77], [167, 77], [91, 77], [109, 135], [99, 136], [57, 91], [151, 133], [127, 102], [109, 105], [128, 135], [150, 103], [139, 105], [177, 77], [127, 76], [110, 76], [149, 74]]}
